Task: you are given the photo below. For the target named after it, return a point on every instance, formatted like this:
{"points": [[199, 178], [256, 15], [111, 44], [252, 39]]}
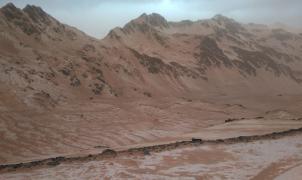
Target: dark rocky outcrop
{"points": [[155, 20], [17, 17], [153, 64], [74, 81], [98, 88], [276, 54], [109, 153], [252, 60], [32, 20], [37, 14], [211, 55], [156, 65], [230, 25], [197, 140], [66, 71], [146, 24], [141, 27], [245, 68], [10, 11]]}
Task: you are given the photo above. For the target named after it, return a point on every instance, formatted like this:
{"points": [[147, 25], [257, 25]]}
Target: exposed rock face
{"points": [[154, 19], [156, 65], [44, 55], [17, 17], [211, 54], [11, 12], [231, 25], [257, 59], [149, 25], [109, 153], [33, 21], [146, 24], [37, 14]]}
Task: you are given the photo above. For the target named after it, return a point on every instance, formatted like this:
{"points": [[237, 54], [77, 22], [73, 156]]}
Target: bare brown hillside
{"points": [[63, 92]]}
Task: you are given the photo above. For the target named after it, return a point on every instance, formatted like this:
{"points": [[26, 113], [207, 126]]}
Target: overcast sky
{"points": [[97, 17]]}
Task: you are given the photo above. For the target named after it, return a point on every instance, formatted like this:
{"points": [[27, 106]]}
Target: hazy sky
{"points": [[97, 17]]}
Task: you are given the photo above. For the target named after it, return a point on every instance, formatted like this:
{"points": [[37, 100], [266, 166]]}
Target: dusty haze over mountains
{"points": [[154, 99], [98, 17]]}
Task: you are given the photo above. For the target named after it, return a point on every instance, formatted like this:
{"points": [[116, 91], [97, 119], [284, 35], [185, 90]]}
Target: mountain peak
{"points": [[10, 11], [153, 19], [146, 23], [143, 15], [229, 23], [31, 19], [10, 6], [36, 14]]}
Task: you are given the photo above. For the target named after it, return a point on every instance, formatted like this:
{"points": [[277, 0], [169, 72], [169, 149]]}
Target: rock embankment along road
{"points": [[109, 153]]}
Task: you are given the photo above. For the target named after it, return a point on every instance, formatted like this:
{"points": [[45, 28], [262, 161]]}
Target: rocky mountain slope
{"points": [[45, 62], [63, 92], [214, 52]]}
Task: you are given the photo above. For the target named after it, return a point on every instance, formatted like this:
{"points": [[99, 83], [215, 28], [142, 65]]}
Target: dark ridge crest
{"points": [[36, 14]]}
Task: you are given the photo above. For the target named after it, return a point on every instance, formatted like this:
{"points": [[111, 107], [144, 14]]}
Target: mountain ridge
{"points": [[149, 55], [64, 93]]}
